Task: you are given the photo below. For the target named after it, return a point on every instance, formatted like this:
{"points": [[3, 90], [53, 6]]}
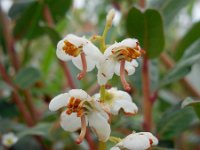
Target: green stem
{"points": [[102, 145], [102, 93]]}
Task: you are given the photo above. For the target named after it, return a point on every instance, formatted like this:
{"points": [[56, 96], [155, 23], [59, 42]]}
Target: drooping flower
{"points": [[136, 141], [81, 51], [116, 100], [81, 111], [9, 139], [119, 58]]}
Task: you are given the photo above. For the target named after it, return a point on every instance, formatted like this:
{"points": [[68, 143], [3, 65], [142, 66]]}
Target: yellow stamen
{"points": [[71, 49]]}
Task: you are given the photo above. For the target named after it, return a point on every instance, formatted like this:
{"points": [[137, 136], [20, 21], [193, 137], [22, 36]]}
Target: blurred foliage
{"points": [[164, 26]]}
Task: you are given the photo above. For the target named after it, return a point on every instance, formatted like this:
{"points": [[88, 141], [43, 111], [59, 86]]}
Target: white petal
{"points": [[115, 148], [99, 125], [71, 122], [129, 67], [59, 101], [75, 40], [80, 94], [105, 71], [108, 51], [9, 139], [128, 107], [150, 136], [129, 42], [78, 63], [120, 95], [92, 52], [60, 53], [136, 142]]}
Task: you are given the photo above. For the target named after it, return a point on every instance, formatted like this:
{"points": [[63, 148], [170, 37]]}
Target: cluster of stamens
{"points": [[127, 53], [75, 105], [71, 49]]}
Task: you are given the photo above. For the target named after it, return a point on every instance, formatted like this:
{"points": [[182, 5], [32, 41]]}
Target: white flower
{"points": [[137, 141], [81, 111], [119, 58], [117, 100], [9, 139], [81, 51]]}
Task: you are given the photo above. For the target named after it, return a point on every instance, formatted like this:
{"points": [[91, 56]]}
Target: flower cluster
{"points": [[81, 109]]}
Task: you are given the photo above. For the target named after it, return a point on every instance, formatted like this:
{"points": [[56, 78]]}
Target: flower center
{"points": [[71, 49], [127, 53], [75, 105]]}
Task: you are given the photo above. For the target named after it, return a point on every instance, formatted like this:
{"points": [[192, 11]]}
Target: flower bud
{"points": [[110, 16]]}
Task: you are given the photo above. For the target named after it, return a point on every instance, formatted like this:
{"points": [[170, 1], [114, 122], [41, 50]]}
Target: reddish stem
{"points": [[89, 139], [50, 22], [122, 76], [84, 66], [16, 97], [9, 40], [147, 105], [31, 106]]}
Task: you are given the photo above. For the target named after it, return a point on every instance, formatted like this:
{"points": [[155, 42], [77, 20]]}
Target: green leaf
{"points": [[183, 67], [189, 38], [147, 27], [17, 9], [41, 129], [27, 25], [169, 8], [194, 103], [175, 121], [26, 77], [53, 35], [58, 8]]}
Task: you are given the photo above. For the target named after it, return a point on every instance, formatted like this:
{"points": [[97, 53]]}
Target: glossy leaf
{"points": [[27, 25], [26, 77], [190, 37], [147, 27], [194, 103], [58, 8], [169, 8], [183, 67], [175, 121]]}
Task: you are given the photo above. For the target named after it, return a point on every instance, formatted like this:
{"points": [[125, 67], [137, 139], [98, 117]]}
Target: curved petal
{"points": [[59, 101], [128, 107], [77, 41], [78, 63], [60, 52], [120, 95], [80, 94], [150, 136], [108, 51], [70, 122], [129, 42], [129, 67], [92, 52], [136, 142], [105, 70], [99, 125]]}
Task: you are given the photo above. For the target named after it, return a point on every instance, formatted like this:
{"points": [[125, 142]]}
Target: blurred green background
{"points": [[169, 30]]}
